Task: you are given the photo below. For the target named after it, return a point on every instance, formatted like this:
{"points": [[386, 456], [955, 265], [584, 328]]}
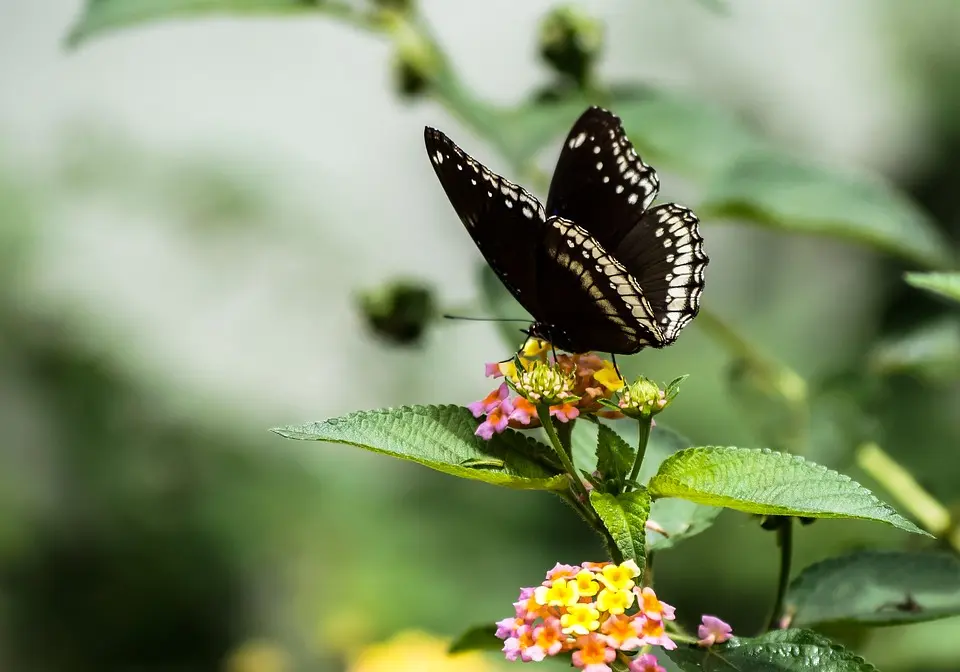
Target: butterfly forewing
{"points": [[664, 252], [595, 304], [600, 182], [504, 220]]}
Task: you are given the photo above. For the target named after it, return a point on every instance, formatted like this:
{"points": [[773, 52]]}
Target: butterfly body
{"points": [[597, 268]]}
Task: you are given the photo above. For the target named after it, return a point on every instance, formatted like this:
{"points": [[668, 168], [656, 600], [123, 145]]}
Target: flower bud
{"points": [[571, 41], [544, 383], [644, 398]]}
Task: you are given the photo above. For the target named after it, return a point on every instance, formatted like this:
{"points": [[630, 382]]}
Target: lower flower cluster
{"points": [[595, 612]]}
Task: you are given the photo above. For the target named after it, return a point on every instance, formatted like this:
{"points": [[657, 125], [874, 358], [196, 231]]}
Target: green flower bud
{"points": [[644, 398], [545, 383], [571, 41]]}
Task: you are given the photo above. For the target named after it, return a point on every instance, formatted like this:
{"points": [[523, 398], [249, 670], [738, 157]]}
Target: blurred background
{"points": [[189, 211]]}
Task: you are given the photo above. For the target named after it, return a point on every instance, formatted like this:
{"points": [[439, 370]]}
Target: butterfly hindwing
{"points": [[595, 303], [664, 252], [505, 221], [600, 182]]}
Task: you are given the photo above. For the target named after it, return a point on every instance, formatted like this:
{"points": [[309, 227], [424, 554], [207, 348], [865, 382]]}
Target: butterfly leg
{"points": [[616, 368]]}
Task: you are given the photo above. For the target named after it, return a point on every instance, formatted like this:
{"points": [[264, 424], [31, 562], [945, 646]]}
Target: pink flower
{"points": [[652, 632], [593, 654], [646, 663], [523, 411], [492, 370], [561, 571], [564, 412], [489, 402], [713, 631], [497, 420], [507, 627], [651, 606], [516, 646], [549, 636]]}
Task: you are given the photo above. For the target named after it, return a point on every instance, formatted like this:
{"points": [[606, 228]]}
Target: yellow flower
{"points": [[608, 377], [419, 651], [614, 601], [561, 593], [257, 656], [620, 577], [587, 583], [580, 619]]}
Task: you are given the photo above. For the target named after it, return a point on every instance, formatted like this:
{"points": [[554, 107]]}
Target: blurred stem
{"points": [[644, 425], [903, 487], [785, 542]]}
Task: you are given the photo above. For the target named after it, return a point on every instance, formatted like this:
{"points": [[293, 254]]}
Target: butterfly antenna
{"points": [[483, 319]]}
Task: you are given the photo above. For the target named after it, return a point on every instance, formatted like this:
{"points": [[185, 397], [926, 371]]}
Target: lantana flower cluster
{"points": [[593, 611], [571, 384]]}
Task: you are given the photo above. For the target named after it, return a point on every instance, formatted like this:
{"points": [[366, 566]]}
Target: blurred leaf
{"points": [[790, 195], [100, 16], [780, 650], [769, 483], [614, 455], [877, 588], [625, 517], [944, 284], [442, 438], [528, 129], [478, 638], [773, 398], [931, 350]]}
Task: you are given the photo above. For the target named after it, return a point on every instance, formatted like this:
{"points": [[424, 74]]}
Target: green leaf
{"points": [[101, 16], [478, 638], [614, 455], [442, 438], [678, 518], [693, 137], [877, 588], [944, 284], [790, 195], [931, 351], [777, 651], [769, 483], [625, 517]]}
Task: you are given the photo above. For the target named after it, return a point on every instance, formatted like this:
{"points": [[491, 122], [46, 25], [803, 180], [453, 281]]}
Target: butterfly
{"points": [[598, 268]]}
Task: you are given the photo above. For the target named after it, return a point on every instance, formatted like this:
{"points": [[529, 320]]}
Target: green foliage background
{"points": [[149, 521]]}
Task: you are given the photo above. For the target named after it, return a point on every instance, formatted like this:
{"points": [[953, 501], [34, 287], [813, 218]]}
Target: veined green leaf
{"points": [[101, 16], [877, 588], [777, 651], [790, 195], [944, 284], [614, 455], [931, 351], [442, 438], [770, 483], [625, 517]]}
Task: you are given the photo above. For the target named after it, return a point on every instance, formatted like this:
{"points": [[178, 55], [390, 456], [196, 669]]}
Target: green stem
{"points": [[785, 541], [645, 425], [543, 412]]}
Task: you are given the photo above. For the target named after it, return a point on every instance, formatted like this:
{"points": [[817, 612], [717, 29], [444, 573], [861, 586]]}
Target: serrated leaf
{"points": [[777, 651], [625, 517], [478, 638], [101, 16], [787, 194], [614, 455], [769, 483], [944, 284], [877, 588], [442, 438]]}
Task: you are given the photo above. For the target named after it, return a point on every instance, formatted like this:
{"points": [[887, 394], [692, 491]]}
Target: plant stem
{"points": [[543, 412], [785, 541], [645, 425]]}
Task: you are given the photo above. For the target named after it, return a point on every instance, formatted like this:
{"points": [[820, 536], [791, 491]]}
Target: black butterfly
{"points": [[598, 268]]}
